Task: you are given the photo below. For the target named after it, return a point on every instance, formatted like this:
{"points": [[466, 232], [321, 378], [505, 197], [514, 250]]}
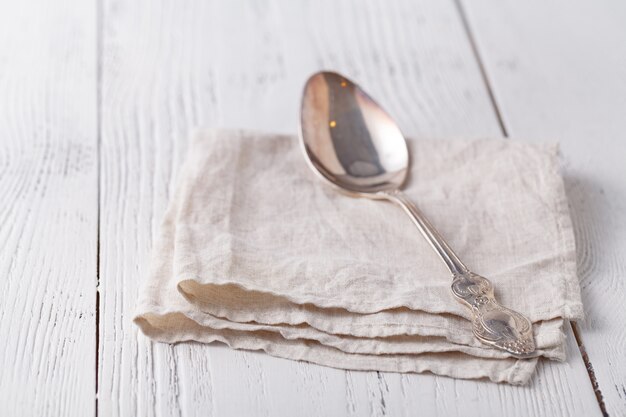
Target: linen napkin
{"points": [[256, 252]]}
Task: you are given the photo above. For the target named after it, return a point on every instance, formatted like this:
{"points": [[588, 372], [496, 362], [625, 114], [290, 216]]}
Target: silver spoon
{"points": [[355, 146]]}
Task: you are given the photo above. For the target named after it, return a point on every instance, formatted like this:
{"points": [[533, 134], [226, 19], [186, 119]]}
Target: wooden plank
{"points": [[48, 208], [242, 64], [557, 69]]}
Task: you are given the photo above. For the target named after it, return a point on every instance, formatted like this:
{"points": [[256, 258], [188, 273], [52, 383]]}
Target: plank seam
{"points": [[589, 367], [481, 67], [99, 51]]}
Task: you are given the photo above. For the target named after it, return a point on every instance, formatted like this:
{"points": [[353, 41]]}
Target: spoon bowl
{"points": [[349, 139]]}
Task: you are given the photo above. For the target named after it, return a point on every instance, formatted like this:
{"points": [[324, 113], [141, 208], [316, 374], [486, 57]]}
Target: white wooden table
{"points": [[97, 98]]}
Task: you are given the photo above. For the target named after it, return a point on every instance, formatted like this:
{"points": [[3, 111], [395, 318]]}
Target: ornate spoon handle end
{"points": [[493, 323]]}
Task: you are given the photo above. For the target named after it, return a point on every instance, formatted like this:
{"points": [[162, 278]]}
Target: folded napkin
{"points": [[256, 252]]}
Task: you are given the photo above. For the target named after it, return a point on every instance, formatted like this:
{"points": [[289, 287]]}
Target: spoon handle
{"points": [[492, 323]]}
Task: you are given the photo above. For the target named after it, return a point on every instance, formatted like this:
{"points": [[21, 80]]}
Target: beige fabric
{"points": [[256, 252]]}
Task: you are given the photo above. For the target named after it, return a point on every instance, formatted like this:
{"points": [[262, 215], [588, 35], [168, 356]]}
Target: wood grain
{"points": [[167, 69], [561, 76], [48, 208]]}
